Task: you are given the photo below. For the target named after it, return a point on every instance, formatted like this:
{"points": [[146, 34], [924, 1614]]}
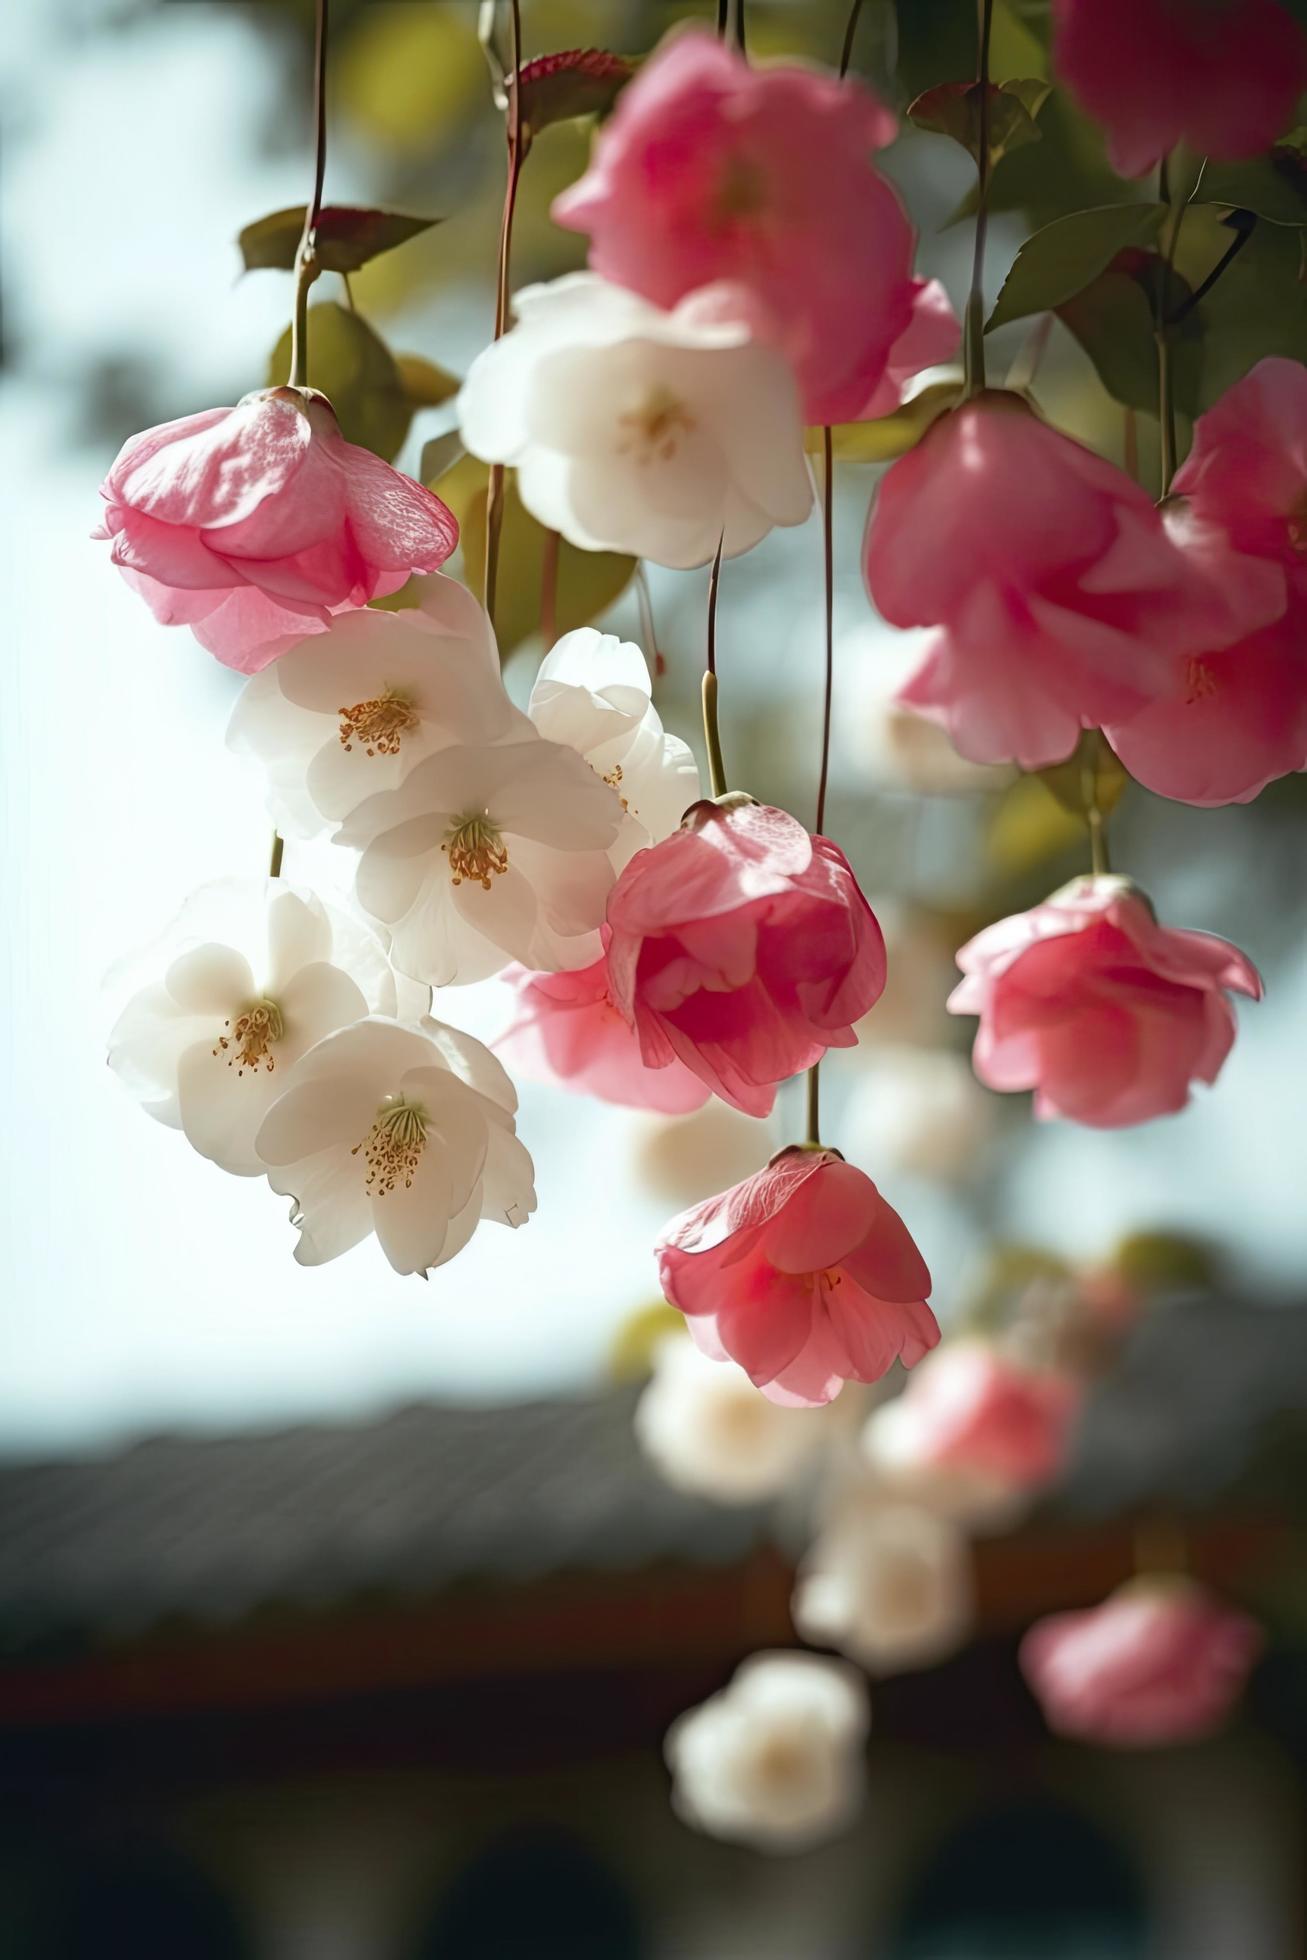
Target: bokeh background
{"points": [[342, 1617]]}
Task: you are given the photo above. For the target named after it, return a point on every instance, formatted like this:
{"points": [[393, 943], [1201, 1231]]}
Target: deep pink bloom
{"points": [[1247, 470], [713, 171], [803, 1275], [1159, 1662], [1060, 598], [743, 946], [1224, 76], [253, 525], [931, 337], [568, 1031], [1107, 1015], [973, 1408]]}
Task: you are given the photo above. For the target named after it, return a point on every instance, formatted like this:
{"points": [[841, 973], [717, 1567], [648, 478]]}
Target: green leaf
{"points": [[1061, 260], [953, 109], [425, 384], [1091, 775], [1165, 1261], [888, 436], [346, 237], [1273, 186], [439, 456], [588, 581], [1113, 319], [357, 372], [579, 82]]}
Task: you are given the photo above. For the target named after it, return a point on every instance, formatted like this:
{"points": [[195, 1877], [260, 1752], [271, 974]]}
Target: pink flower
{"points": [[568, 1031], [1224, 76], [254, 524], [1107, 1015], [1061, 600], [711, 171], [743, 947], [931, 337], [803, 1275], [1247, 470], [1159, 1662], [973, 1409]]}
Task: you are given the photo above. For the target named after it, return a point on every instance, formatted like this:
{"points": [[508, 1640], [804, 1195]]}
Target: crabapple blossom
{"points": [[712, 172], [931, 337], [742, 946], [405, 1131], [972, 1411], [631, 429], [1246, 473], [1158, 1662], [1223, 76], [566, 1030], [246, 979], [486, 854], [709, 1431], [253, 525], [349, 712], [1107, 1015], [775, 1759], [802, 1274], [1059, 598], [887, 1583]]}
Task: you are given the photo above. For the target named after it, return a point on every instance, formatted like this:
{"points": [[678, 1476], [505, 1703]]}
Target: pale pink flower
{"points": [[971, 1408], [713, 172], [1059, 597], [567, 1030], [802, 1274], [1107, 1015], [253, 525], [1160, 1661], [931, 337], [1223, 76], [743, 947]]}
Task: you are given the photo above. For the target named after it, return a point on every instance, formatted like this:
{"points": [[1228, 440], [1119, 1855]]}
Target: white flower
{"points": [[348, 712], [485, 855], [976, 1500], [892, 746], [776, 1759], [888, 1584], [637, 430], [407, 1132], [921, 1111], [710, 1431], [250, 975], [593, 693]]}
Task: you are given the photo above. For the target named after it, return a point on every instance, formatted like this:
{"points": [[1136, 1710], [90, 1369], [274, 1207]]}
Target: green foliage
{"points": [[954, 108], [345, 238], [581, 82], [1274, 187], [888, 436], [357, 372], [1062, 258]]}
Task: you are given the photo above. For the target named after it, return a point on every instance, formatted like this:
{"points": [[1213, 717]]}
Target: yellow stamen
{"points": [[614, 781], [1199, 683], [392, 1148], [476, 851], [655, 428], [256, 1032], [378, 724]]}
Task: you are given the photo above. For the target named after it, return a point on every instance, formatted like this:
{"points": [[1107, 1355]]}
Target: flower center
{"points": [[476, 851], [655, 428], [392, 1148], [1199, 682], [613, 778], [249, 1044], [378, 724]]}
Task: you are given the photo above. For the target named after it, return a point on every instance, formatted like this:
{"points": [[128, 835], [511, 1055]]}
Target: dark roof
{"points": [[210, 1529]]}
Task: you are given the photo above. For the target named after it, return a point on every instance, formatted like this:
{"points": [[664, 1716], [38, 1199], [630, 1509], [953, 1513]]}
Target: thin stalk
{"points": [[1099, 862], [1222, 265], [739, 27], [828, 557], [549, 590], [1162, 332], [814, 1104], [495, 485], [306, 263], [975, 334], [846, 52], [711, 734], [648, 629], [276, 854]]}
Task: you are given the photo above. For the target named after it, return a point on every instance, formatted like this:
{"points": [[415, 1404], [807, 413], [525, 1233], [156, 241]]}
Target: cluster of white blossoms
{"points": [[291, 1039]]}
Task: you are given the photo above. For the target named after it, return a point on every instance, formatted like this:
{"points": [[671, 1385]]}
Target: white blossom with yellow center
{"points": [[634, 429], [709, 1430], [405, 1131], [246, 979], [887, 1583]]}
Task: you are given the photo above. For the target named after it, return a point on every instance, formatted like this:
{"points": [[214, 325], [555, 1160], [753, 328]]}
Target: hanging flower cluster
{"points": [[751, 273]]}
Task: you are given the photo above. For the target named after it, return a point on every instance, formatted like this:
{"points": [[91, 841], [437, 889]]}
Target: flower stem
{"points": [[276, 854], [828, 553], [846, 52], [647, 627], [1162, 331], [495, 485], [306, 262], [1099, 862], [814, 1104], [711, 735], [975, 334]]}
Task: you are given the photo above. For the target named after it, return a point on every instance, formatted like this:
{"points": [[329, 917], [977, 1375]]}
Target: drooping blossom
{"points": [[714, 172], [246, 979], [1058, 597], [887, 1583], [1108, 1016], [775, 1759], [593, 693], [742, 946], [1223, 76], [919, 1111], [973, 1410], [636, 430], [347, 713], [1159, 1662], [565, 1029], [253, 525], [488, 854], [709, 1431], [931, 337], [405, 1131], [802, 1274], [1246, 473]]}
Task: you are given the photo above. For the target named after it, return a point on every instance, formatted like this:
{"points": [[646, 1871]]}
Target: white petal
{"points": [[210, 980], [411, 1221], [146, 1045], [473, 1063], [299, 932], [222, 1107], [321, 998]]}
